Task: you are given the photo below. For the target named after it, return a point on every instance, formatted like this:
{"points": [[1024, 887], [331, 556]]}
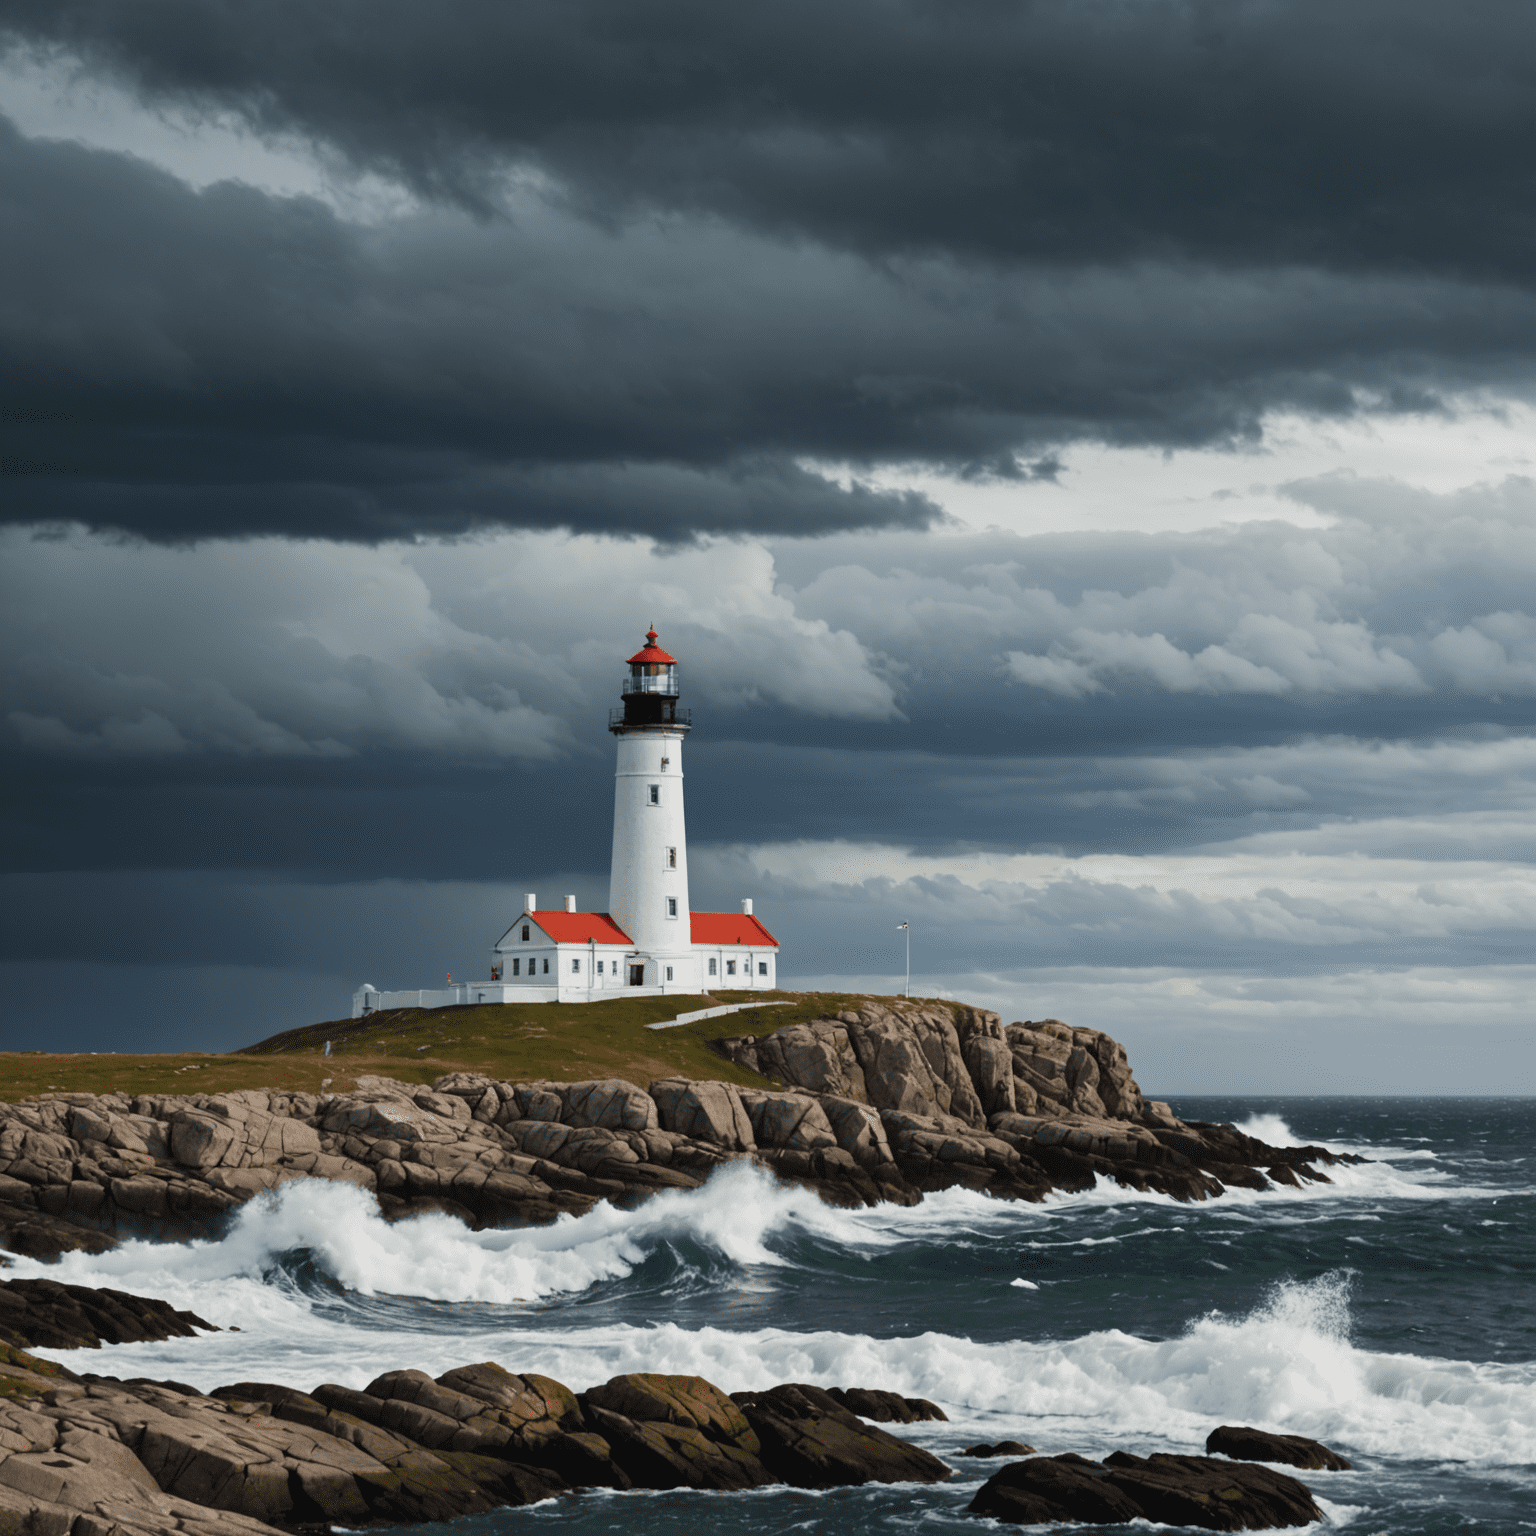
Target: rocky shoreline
{"points": [[85, 1455], [887, 1103]]}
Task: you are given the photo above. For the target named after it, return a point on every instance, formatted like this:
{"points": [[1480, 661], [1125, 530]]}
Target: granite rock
{"points": [[885, 1102], [1200, 1491], [809, 1440], [44, 1314], [1243, 1444]]}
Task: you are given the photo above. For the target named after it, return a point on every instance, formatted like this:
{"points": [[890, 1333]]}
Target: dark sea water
{"points": [[1391, 1314]]}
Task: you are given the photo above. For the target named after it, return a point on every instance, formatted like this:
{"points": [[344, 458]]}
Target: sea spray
{"points": [[1288, 1366], [742, 1216], [1271, 1130]]}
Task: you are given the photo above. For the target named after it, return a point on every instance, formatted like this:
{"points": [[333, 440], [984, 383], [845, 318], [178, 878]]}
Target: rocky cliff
{"points": [[886, 1103]]}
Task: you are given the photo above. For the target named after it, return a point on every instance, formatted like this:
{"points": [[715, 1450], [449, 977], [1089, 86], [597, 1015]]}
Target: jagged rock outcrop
{"points": [[93, 1456], [43, 1314], [1015, 1110], [953, 1060], [885, 1103], [1168, 1490]]}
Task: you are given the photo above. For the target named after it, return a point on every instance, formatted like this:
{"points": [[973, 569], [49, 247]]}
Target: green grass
{"points": [[559, 1042]]}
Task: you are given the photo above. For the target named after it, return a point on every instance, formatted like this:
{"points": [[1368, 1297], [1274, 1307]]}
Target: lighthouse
{"points": [[648, 877], [650, 941]]}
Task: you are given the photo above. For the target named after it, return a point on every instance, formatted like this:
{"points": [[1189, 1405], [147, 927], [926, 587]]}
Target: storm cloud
{"points": [[1371, 136], [648, 263]]}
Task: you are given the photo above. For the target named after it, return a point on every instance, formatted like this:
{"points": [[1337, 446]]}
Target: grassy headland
{"points": [[560, 1042]]}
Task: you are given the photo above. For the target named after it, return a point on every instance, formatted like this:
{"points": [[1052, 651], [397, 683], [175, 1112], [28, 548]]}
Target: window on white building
{"points": [[762, 967], [730, 967], [525, 933], [516, 966], [546, 967], [669, 973], [671, 858], [599, 967], [655, 794], [671, 906], [712, 970], [575, 967]]}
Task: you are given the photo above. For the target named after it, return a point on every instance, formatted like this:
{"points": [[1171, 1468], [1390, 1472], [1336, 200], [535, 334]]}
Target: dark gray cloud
{"points": [[1379, 134], [670, 255]]}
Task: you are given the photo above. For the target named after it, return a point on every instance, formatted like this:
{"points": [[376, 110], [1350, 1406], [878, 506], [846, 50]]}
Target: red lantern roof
{"points": [[652, 655]]}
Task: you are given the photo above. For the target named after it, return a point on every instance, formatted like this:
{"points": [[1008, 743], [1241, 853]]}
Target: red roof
{"points": [[580, 927], [652, 655], [729, 928]]}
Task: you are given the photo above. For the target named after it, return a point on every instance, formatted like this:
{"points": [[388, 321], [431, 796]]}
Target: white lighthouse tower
{"points": [[650, 938], [648, 879]]}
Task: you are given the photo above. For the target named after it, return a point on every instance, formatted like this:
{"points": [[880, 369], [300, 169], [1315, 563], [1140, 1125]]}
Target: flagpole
{"points": [[908, 932]]}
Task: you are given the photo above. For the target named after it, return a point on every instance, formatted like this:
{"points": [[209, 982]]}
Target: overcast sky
{"points": [[1082, 453]]}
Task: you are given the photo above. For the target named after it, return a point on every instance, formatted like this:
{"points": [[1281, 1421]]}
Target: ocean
{"points": [[1390, 1314]]}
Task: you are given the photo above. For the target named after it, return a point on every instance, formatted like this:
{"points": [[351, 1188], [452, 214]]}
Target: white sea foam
{"points": [[1274, 1132], [1288, 1366], [1271, 1130], [437, 1257], [738, 1216]]}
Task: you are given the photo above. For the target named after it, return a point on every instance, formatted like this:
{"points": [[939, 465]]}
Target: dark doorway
{"points": [[637, 975]]}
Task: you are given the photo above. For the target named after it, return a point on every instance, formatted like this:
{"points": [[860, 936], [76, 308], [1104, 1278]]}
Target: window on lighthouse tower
{"points": [[655, 794]]}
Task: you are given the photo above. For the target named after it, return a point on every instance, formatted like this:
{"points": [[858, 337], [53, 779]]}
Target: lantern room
{"points": [[649, 691], [651, 670]]}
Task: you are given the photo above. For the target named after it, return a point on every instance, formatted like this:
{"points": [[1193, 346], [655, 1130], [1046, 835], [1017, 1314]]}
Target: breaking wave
{"points": [[1288, 1365], [313, 1285], [741, 1219]]}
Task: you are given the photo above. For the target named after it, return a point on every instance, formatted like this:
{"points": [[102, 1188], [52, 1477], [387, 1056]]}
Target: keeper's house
{"points": [[650, 941]]}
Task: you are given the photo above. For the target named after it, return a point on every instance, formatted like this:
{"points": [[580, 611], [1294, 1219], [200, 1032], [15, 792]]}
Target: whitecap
{"points": [[1288, 1365]]}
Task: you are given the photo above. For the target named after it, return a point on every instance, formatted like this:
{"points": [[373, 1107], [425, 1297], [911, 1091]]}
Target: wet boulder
{"points": [[886, 1407], [1243, 1444], [537, 1407], [1200, 1491], [810, 1440], [668, 1455], [1002, 1448], [687, 1400], [674, 1432], [47, 1315]]}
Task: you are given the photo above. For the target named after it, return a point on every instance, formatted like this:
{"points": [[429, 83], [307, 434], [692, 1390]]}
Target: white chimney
{"points": [[570, 903], [746, 907], [530, 902]]}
